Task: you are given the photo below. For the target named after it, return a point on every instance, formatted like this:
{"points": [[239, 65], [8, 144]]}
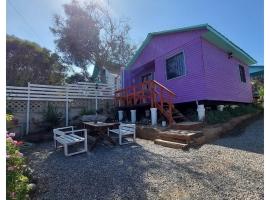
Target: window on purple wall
{"points": [[242, 74], [175, 66]]}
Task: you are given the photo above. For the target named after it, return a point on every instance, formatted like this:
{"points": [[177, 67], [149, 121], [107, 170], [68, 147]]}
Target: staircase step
{"points": [[175, 145], [185, 136]]}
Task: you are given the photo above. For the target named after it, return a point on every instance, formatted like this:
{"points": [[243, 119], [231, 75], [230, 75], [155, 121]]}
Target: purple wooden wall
{"points": [[210, 74], [222, 76]]}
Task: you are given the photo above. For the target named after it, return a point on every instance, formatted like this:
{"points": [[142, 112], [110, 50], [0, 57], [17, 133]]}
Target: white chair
{"points": [[124, 130], [68, 136]]}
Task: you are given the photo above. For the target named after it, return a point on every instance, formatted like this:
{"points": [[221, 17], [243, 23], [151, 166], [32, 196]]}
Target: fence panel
{"points": [[67, 93]]}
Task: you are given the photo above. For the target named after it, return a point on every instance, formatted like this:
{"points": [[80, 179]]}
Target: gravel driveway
{"points": [[230, 168]]}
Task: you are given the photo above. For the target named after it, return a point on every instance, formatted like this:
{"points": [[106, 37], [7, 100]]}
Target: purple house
{"points": [[196, 63]]}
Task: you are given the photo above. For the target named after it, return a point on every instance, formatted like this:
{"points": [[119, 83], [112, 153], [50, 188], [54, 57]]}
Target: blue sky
{"points": [[239, 20]]}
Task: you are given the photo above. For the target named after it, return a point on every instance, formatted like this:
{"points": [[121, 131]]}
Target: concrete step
{"points": [[170, 144]]}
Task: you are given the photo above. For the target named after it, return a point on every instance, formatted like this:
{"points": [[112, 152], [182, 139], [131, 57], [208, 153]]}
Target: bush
{"points": [[258, 89], [216, 116], [84, 111], [261, 93], [241, 110], [11, 121], [9, 111], [17, 182], [52, 117]]}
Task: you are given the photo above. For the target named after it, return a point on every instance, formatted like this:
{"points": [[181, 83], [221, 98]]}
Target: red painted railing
{"points": [[147, 92]]}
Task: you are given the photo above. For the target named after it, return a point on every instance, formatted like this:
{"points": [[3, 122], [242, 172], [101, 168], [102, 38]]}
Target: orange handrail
{"points": [[163, 87], [146, 82]]}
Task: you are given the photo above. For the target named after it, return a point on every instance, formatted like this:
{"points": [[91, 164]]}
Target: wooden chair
{"points": [[70, 137], [124, 130]]}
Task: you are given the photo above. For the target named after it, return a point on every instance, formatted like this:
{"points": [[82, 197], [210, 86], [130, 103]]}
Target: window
{"points": [[242, 74], [175, 66]]}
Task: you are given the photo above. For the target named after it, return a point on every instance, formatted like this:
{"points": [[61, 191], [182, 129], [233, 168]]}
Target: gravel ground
{"points": [[230, 168]]}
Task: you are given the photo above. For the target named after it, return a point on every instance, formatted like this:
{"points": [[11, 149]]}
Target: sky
{"points": [[239, 20]]}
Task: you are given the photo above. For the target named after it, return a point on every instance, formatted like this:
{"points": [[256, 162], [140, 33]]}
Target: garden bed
{"points": [[212, 132]]}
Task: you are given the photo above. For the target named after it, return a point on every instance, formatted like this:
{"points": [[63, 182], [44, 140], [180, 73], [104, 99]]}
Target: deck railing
{"points": [[148, 92]]}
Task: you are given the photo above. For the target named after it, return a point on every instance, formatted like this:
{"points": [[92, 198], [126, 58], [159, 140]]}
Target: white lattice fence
{"points": [[77, 95]]}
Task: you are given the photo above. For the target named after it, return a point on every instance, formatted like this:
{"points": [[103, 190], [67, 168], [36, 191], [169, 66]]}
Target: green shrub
{"points": [[9, 111], [11, 121], [261, 93], [52, 117], [216, 116], [241, 110], [85, 111], [258, 89], [16, 180]]}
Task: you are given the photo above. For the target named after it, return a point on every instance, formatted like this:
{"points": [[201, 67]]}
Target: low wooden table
{"points": [[101, 130]]}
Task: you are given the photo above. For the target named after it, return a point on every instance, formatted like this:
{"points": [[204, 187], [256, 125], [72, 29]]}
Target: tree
{"points": [[88, 35], [28, 62], [77, 77]]}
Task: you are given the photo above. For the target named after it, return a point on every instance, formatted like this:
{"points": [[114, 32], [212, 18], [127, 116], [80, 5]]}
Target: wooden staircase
{"points": [[149, 92]]}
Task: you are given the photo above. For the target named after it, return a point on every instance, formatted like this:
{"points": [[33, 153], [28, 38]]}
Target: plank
{"points": [[175, 145]]}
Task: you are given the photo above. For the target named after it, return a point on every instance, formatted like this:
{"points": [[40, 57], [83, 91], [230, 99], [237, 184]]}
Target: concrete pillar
{"points": [[120, 115], [201, 112], [133, 116], [154, 116]]}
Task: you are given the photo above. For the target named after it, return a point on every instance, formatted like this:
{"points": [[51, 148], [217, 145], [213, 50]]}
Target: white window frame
{"points": [[184, 61]]}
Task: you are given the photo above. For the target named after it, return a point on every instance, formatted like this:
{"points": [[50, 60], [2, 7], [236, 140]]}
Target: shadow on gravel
{"points": [[248, 137], [105, 173]]}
